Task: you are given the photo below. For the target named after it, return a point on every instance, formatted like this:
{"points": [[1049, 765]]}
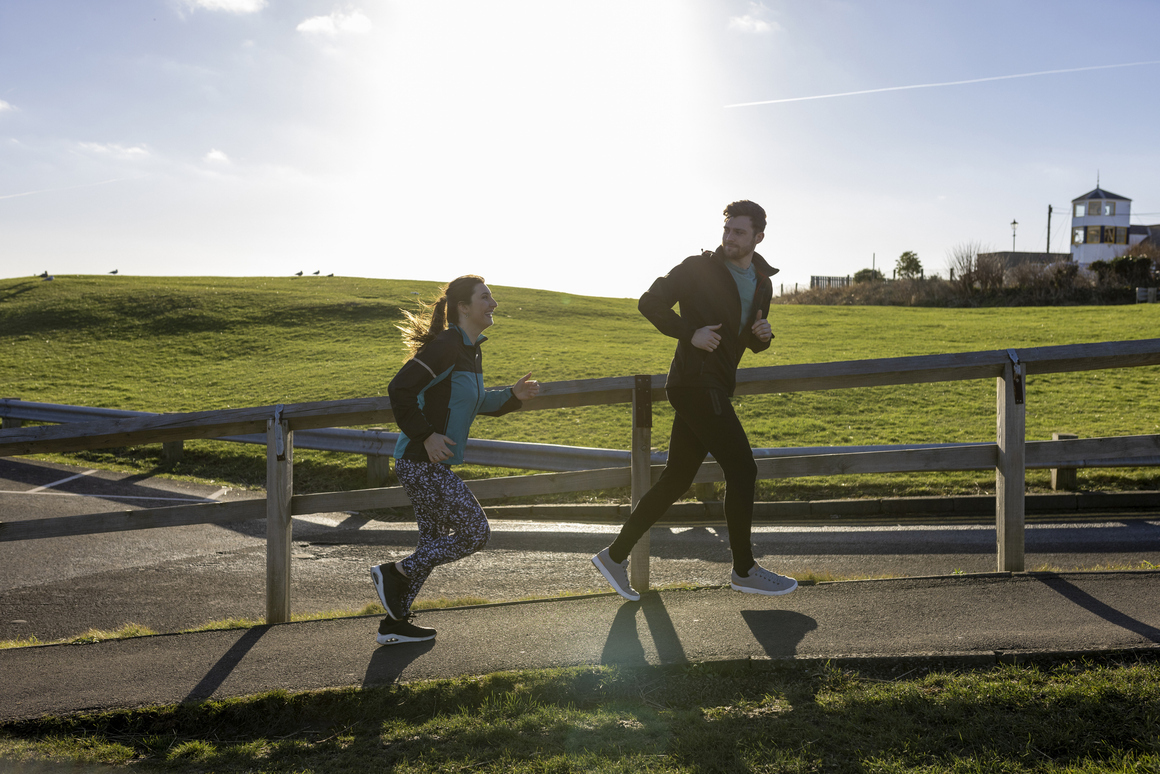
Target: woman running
{"points": [[436, 396]]}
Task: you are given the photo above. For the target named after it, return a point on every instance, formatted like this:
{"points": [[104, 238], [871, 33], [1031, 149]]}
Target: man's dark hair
{"points": [[749, 209]]}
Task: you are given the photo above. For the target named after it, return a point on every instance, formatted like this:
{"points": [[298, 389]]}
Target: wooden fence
{"points": [[1010, 455]]}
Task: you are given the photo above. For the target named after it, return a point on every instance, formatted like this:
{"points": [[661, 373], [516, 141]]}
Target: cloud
{"points": [[116, 151], [215, 156], [749, 23], [5, 106], [337, 22], [754, 21], [229, 6]]}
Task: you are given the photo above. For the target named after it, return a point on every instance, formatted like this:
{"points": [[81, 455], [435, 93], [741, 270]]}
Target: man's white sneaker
{"points": [[616, 573], [762, 581]]}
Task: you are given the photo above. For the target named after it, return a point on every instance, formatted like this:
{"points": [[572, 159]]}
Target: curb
{"points": [[1063, 503]]}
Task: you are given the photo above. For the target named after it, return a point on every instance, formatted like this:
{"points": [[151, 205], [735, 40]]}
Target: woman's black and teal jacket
{"points": [[440, 390]]}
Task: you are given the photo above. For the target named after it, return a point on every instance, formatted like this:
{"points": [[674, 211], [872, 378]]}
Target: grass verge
{"points": [[1074, 717]]}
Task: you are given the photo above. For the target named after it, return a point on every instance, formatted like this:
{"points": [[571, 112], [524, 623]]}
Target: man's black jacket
{"points": [[704, 288]]}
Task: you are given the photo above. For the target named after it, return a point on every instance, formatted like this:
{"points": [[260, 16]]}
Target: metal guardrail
{"points": [[481, 451]]}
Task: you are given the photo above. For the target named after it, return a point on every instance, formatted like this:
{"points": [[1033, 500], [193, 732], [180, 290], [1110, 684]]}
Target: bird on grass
{"points": [[114, 271], [299, 274]]}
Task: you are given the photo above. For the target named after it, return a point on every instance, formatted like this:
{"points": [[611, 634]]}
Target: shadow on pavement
{"points": [[226, 664], [624, 646], [389, 661], [1110, 614], [779, 632]]}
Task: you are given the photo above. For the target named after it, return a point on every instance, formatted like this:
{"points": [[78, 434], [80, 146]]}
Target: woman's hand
{"points": [[526, 387], [436, 446]]}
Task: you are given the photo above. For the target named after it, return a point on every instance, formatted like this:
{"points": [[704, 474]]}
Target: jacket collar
{"points": [[463, 335], [761, 264]]}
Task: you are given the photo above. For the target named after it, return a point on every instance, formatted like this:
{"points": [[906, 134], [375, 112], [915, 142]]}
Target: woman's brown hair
{"points": [[420, 329]]}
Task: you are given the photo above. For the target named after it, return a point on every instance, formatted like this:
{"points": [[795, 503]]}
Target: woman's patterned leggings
{"points": [[451, 523]]}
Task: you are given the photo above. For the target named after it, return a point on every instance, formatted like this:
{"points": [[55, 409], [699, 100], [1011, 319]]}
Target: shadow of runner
{"points": [[389, 661], [779, 632], [225, 665], [1073, 593], [624, 646]]}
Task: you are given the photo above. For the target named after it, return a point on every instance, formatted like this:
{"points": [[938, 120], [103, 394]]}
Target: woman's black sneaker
{"points": [[392, 632], [390, 585]]}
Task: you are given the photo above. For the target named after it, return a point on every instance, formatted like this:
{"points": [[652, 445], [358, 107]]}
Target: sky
{"points": [[584, 147]]}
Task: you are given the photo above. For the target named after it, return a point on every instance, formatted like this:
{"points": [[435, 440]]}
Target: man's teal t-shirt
{"points": [[746, 288]]}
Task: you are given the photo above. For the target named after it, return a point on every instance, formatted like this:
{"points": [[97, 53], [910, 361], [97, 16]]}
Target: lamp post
{"points": [[1014, 223]]}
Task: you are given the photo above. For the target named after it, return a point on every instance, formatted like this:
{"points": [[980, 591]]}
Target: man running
{"points": [[724, 307]]}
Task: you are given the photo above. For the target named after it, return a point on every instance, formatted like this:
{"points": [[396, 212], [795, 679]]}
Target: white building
{"points": [[1099, 226]]}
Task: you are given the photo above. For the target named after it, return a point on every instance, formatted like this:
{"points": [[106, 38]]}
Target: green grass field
{"points": [[190, 344], [1068, 718]]}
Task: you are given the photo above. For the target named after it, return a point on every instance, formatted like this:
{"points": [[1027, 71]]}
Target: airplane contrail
{"points": [[945, 83], [68, 188]]}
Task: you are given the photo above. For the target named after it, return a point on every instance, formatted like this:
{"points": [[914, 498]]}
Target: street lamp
{"points": [[1014, 223]]}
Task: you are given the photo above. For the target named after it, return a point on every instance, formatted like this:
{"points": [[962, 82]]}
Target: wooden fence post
{"points": [[1064, 478], [1011, 472], [171, 452], [8, 423], [641, 473], [378, 467], [279, 524]]}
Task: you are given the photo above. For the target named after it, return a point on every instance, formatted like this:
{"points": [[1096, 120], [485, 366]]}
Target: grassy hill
{"points": [[196, 343]]}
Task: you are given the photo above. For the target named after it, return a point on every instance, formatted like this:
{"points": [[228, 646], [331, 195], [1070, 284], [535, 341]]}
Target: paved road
{"points": [[179, 578]]}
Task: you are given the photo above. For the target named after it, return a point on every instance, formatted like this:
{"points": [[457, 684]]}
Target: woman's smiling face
{"points": [[476, 315]]}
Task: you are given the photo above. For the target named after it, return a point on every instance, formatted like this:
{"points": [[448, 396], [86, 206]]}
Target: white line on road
{"points": [[103, 496], [62, 481]]}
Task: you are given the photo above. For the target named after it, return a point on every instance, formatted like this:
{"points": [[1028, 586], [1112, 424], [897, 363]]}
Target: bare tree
{"points": [[962, 260], [989, 271]]}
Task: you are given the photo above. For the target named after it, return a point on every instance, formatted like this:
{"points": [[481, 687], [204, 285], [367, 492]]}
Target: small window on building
{"points": [[1080, 210], [1109, 208], [1121, 235], [1093, 235], [1077, 236]]}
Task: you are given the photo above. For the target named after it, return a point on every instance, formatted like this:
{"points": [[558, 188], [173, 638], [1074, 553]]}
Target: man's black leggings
{"points": [[705, 423]]}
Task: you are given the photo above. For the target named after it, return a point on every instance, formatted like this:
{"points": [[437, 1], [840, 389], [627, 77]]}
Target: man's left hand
{"points": [[761, 328]]}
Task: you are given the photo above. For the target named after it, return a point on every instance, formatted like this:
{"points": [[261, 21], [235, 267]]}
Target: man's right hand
{"points": [[706, 338]]}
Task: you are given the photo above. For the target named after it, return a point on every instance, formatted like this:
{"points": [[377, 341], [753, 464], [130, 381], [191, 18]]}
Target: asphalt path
{"points": [[953, 622], [179, 578]]}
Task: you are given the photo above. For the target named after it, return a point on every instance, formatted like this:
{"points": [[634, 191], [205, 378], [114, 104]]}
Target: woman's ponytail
{"points": [[420, 329]]}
